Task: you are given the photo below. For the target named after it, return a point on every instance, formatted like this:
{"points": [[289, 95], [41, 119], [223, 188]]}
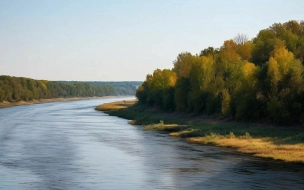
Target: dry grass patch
{"points": [[132, 122], [114, 106], [159, 126], [182, 132], [261, 147]]}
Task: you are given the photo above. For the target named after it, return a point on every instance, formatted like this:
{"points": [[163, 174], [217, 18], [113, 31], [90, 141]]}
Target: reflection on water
{"points": [[69, 145]]}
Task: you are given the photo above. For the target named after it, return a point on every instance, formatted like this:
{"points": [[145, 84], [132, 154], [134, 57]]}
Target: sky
{"points": [[123, 40]]}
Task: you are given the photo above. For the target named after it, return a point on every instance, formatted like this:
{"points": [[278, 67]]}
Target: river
{"points": [[69, 145]]}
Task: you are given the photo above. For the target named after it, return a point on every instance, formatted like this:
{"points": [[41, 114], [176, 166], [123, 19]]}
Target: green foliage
{"points": [[244, 79], [158, 89], [290, 33], [118, 88], [210, 51], [183, 64], [18, 88], [263, 45]]}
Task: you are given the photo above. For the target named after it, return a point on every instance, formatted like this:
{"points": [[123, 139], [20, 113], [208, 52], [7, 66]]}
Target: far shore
{"points": [[5, 104]]}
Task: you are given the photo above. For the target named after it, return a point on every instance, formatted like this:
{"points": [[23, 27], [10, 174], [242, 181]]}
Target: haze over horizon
{"points": [[122, 40]]}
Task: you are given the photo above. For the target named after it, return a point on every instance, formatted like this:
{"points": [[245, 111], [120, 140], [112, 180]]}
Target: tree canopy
{"points": [[261, 78]]}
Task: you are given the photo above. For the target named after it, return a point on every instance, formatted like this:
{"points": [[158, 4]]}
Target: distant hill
{"points": [[14, 89]]}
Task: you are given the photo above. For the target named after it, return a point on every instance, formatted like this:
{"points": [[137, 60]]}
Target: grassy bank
{"points": [[268, 141]]}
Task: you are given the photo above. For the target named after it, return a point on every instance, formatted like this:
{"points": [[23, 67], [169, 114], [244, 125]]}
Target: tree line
{"points": [[258, 79], [123, 87], [14, 89]]}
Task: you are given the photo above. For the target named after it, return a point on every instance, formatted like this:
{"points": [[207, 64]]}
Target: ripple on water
{"points": [[69, 145]]}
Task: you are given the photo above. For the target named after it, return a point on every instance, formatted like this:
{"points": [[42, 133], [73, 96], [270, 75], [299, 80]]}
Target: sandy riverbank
{"points": [[20, 103]]}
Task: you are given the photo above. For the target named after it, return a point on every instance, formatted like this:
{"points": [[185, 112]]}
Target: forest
{"points": [[122, 87], [13, 89], [259, 79]]}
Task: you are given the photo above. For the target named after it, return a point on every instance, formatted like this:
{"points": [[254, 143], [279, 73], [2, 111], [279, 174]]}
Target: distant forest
{"points": [[257, 79], [14, 89], [122, 88]]}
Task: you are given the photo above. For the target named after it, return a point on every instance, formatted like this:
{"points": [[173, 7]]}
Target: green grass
{"points": [[263, 140]]}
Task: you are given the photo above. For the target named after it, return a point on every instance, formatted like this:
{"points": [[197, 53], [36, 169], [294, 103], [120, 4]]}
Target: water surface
{"points": [[69, 145]]}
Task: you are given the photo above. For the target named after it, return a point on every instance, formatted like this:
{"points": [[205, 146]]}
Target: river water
{"points": [[69, 145]]}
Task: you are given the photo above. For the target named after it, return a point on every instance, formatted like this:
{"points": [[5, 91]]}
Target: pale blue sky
{"points": [[113, 40]]}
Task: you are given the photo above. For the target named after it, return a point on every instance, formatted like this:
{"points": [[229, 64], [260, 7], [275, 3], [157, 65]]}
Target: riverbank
{"points": [[21, 103], [261, 140]]}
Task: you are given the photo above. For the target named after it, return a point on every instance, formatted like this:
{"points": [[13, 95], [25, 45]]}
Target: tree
{"points": [[262, 78], [263, 45], [210, 51], [241, 39], [183, 64], [228, 54], [245, 50], [158, 89], [182, 67], [285, 75], [201, 75], [244, 104]]}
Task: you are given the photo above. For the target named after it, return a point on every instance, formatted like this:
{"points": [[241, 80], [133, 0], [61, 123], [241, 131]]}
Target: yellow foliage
{"points": [[273, 71], [228, 52], [226, 102], [161, 79], [42, 84], [230, 55], [249, 69], [172, 80], [229, 45], [280, 63], [283, 57], [245, 50], [208, 70], [183, 64]]}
